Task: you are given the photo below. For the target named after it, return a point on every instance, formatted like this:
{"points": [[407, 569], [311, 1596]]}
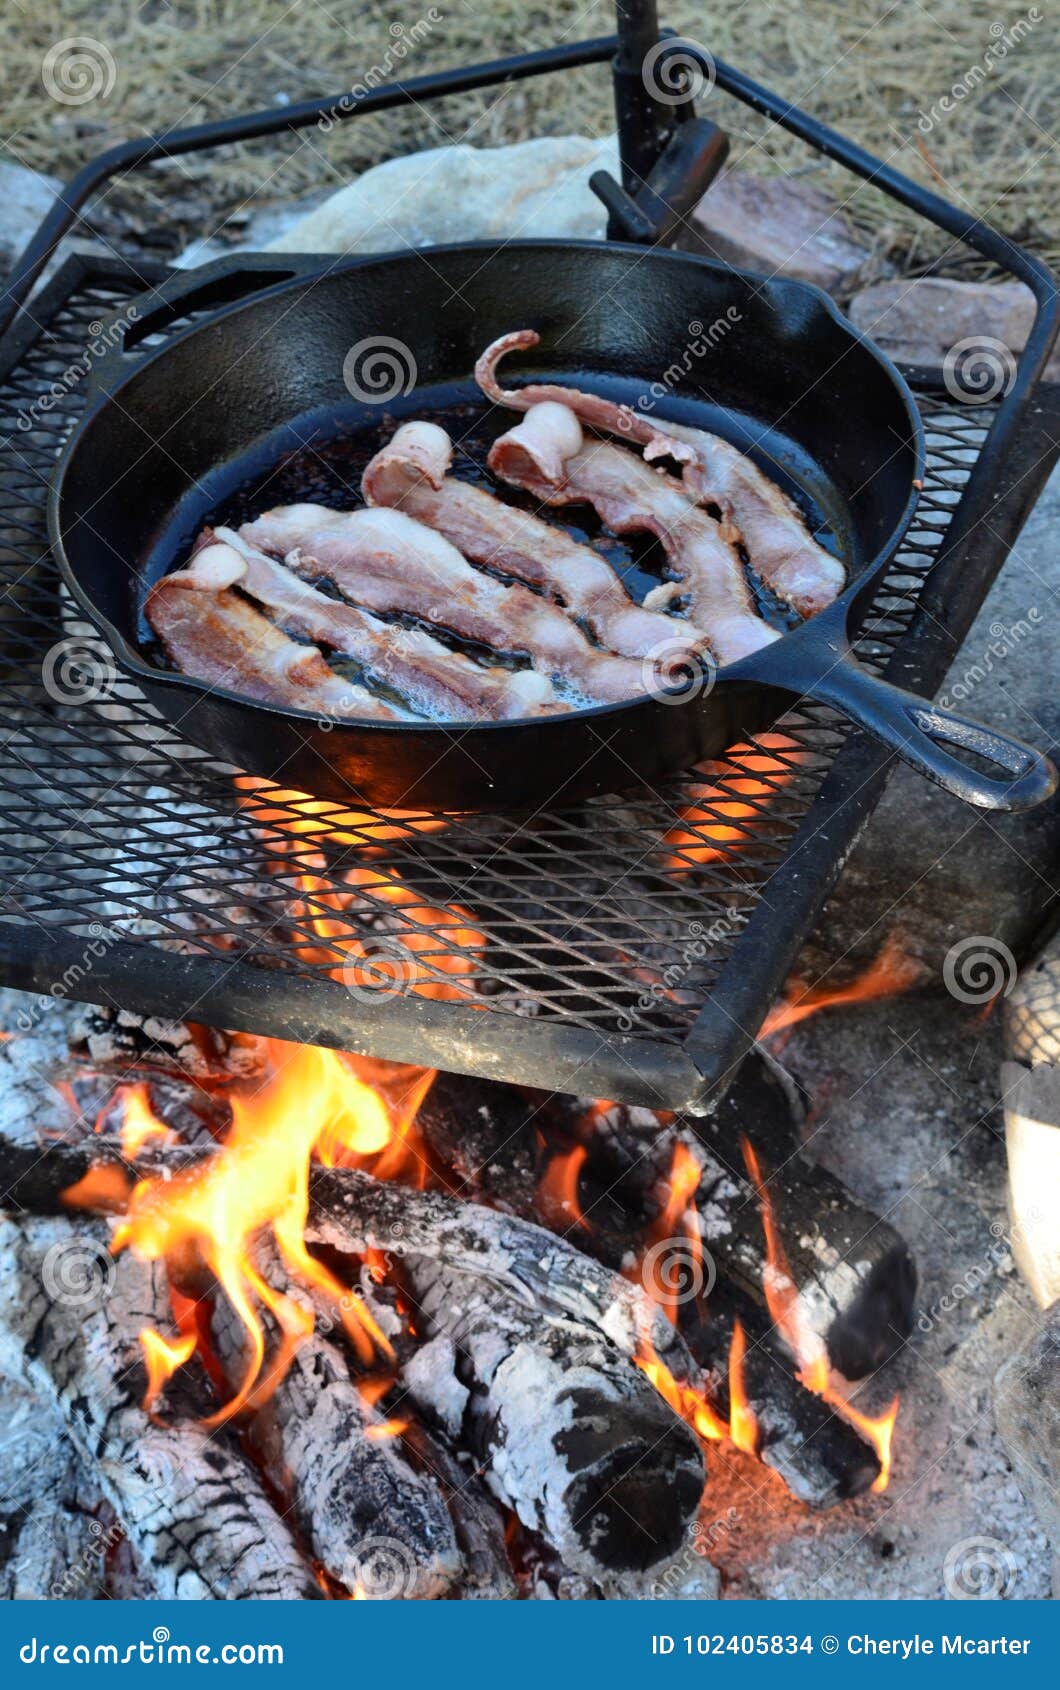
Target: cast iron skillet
{"points": [[171, 438]]}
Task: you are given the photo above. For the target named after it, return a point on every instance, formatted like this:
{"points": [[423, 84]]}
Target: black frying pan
{"points": [[250, 407]]}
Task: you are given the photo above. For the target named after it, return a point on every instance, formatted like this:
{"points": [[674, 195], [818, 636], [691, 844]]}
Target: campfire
{"points": [[428, 1336]]}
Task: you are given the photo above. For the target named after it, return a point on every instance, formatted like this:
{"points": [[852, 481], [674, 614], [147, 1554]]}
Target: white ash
{"points": [[905, 1091], [430, 1374]]}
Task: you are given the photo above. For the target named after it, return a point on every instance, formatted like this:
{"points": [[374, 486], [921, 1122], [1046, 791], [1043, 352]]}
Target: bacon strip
{"points": [[410, 474], [547, 455], [433, 678], [384, 560], [755, 510], [211, 633]]}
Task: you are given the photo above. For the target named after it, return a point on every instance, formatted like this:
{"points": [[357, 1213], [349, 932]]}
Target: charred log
{"points": [[497, 1145], [570, 1436], [477, 1521], [190, 1504], [369, 1519], [856, 1276]]}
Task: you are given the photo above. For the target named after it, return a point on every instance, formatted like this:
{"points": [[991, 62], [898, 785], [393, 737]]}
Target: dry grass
{"points": [[868, 66]]}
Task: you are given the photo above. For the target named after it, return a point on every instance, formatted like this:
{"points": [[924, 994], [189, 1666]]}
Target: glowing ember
{"points": [[295, 813], [416, 957], [711, 826], [214, 1211], [785, 1307], [163, 1356], [891, 973]]}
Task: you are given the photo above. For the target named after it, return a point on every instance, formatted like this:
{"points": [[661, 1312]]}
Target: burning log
{"points": [[570, 1436], [855, 1274], [191, 1505], [545, 1336], [489, 1137], [121, 1038], [369, 1519]]}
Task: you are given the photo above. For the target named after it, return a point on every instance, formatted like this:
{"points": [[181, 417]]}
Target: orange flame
{"points": [[259, 1180], [140, 1124], [719, 807], [163, 1356], [432, 942], [743, 1427], [685, 1401], [786, 1309], [557, 1192], [891, 972], [679, 1215]]}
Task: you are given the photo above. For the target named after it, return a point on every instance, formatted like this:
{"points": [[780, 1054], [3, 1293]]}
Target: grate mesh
{"points": [[616, 915]]}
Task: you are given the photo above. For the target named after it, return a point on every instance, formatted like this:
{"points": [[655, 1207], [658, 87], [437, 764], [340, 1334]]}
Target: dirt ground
{"points": [[877, 68]]}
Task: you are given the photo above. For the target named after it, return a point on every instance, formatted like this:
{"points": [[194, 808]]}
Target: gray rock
{"points": [[929, 866], [776, 225], [25, 197], [1027, 1409], [536, 188], [1030, 1086], [922, 322]]}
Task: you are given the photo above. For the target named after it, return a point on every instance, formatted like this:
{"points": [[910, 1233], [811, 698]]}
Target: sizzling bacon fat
{"points": [[754, 509], [249, 612]]}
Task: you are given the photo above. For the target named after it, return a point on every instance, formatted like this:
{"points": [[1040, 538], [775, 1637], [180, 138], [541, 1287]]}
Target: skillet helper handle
{"points": [[224, 282], [920, 732]]}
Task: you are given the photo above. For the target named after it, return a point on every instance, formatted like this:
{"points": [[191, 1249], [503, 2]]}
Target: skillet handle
{"points": [[919, 731]]}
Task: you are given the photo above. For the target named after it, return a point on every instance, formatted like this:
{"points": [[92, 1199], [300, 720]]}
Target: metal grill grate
{"points": [[616, 917]]}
